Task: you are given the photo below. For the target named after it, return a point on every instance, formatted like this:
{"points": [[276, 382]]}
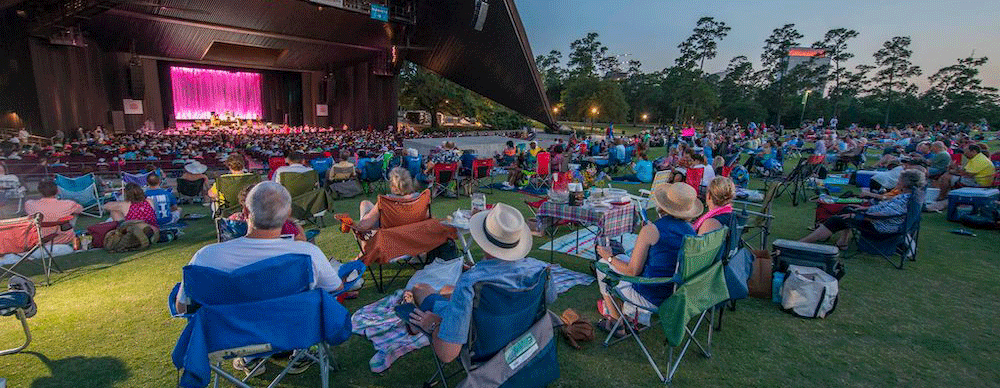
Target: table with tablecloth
{"points": [[609, 222]]}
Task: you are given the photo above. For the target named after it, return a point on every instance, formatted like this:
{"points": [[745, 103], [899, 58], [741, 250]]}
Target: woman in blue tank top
{"points": [[655, 252]]}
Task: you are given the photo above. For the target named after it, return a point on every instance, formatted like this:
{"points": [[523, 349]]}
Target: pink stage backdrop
{"points": [[198, 92]]}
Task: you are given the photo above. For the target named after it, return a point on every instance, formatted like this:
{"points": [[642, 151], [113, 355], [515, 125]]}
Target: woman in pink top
{"points": [[134, 207]]}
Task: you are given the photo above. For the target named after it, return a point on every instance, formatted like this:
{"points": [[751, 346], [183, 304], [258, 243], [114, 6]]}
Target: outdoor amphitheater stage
{"points": [[483, 145]]}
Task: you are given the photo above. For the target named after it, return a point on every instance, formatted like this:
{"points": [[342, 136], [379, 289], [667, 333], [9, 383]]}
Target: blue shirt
{"points": [[644, 171], [163, 201], [456, 313], [661, 261]]}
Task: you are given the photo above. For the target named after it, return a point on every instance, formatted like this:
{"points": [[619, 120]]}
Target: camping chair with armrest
{"points": [[309, 202], [273, 163], [415, 165], [542, 176], [23, 237], [481, 169], [224, 319], [642, 200], [901, 243], [227, 188], [17, 301], [444, 173], [757, 218], [321, 165], [82, 190], [406, 230], [190, 191], [137, 178], [373, 177], [699, 288], [693, 178], [506, 320]]}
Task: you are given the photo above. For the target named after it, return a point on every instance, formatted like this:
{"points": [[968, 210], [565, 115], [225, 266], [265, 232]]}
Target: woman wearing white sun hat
{"points": [[505, 239]]}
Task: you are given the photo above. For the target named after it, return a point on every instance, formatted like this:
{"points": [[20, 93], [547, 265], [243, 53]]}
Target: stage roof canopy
{"points": [[440, 35]]}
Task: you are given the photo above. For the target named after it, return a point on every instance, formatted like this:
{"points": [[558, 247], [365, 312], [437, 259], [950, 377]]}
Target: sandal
{"points": [[606, 324]]}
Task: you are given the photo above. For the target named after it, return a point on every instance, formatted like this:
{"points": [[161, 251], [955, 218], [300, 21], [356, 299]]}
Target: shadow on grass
{"points": [[96, 372], [84, 263]]}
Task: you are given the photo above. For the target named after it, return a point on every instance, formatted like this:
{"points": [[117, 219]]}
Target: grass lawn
{"points": [[104, 323]]}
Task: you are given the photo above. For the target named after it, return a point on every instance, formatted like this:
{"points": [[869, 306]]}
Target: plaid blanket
{"points": [[378, 322], [584, 247]]}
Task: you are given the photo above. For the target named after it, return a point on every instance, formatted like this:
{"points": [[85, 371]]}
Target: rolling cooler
{"points": [[825, 257], [969, 200]]}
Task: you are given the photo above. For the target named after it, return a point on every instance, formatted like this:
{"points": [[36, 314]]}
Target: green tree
{"points": [[688, 94], [737, 90], [642, 92], [584, 93], [424, 90], [957, 93], [894, 70], [553, 76], [703, 43], [834, 44], [774, 67], [585, 54]]}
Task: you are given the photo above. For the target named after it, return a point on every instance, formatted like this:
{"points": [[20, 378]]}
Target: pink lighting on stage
{"points": [[199, 92]]}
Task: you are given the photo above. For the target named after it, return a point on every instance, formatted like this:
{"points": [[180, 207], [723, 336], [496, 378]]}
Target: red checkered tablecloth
{"points": [[610, 222]]}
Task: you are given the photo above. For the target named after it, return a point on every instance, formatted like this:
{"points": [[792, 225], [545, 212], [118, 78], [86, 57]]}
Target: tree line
{"points": [[594, 84]]}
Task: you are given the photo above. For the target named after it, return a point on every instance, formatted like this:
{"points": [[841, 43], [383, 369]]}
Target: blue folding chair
{"points": [[255, 311], [502, 319], [373, 175], [901, 243], [321, 165], [415, 164], [82, 190], [139, 179]]}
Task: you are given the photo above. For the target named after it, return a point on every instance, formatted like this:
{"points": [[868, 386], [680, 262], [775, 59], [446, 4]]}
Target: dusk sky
{"points": [[649, 30]]}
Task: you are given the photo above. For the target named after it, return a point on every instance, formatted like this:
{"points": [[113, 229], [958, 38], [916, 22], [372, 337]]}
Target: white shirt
{"points": [[240, 252], [888, 179], [296, 167]]}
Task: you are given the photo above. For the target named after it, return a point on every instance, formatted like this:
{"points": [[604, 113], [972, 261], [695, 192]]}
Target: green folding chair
{"points": [[309, 202], [700, 287], [228, 188]]}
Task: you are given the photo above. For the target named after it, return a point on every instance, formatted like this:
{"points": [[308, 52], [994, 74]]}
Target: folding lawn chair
{"points": [[23, 237], [82, 190], [139, 178], [693, 178], [542, 176], [228, 189], [226, 322], [309, 202], [699, 288], [190, 191], [415, 165], [321, 165], [757, 218], [902, 243], [443, 175], [273, 163], [404, 227], [373, 177], [19, 302], [481, 170], [515, 325]]}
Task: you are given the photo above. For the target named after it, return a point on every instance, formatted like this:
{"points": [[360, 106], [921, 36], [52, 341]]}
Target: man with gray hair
{"points": [[269, 204]]}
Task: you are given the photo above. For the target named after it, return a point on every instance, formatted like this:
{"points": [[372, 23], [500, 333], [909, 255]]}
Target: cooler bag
{"points": [[809, 292], [825, 257]]}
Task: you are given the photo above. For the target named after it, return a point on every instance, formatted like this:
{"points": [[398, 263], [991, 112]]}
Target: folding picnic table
{"points": [[607, 223]]}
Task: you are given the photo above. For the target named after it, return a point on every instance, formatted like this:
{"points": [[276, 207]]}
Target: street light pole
{"points": [[804, 100]]}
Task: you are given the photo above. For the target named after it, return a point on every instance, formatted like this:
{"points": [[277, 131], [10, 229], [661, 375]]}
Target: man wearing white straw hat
{"points": [[505, 239], [655, 252]]}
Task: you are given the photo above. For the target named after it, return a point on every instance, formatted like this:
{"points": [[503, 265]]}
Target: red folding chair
{"points": [[693, 177], [443, 175], [726, 171], [543, 170], [22, 236], [956, 158], [481, 169], [273, 163]]}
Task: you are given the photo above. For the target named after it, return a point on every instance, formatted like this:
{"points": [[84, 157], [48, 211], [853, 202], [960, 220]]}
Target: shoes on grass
{"points": [[245, 365], [300, 365]]}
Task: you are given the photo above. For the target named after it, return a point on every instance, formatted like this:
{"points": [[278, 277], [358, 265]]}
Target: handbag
{"points": [[576, 329]]}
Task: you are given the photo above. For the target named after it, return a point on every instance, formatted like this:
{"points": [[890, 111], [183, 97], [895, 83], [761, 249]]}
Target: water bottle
{"points": [[777, 280]]}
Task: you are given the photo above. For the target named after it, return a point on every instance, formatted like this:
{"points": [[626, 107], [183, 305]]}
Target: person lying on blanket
{"points": [[505, 238]]}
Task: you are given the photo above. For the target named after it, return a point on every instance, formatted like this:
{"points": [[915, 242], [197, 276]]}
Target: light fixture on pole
{"points": [[593, 116], [805, 98]]}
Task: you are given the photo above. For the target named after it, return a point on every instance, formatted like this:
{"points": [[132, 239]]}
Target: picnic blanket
{"points": [[584, 247], [526, 190], [378, 322]]}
